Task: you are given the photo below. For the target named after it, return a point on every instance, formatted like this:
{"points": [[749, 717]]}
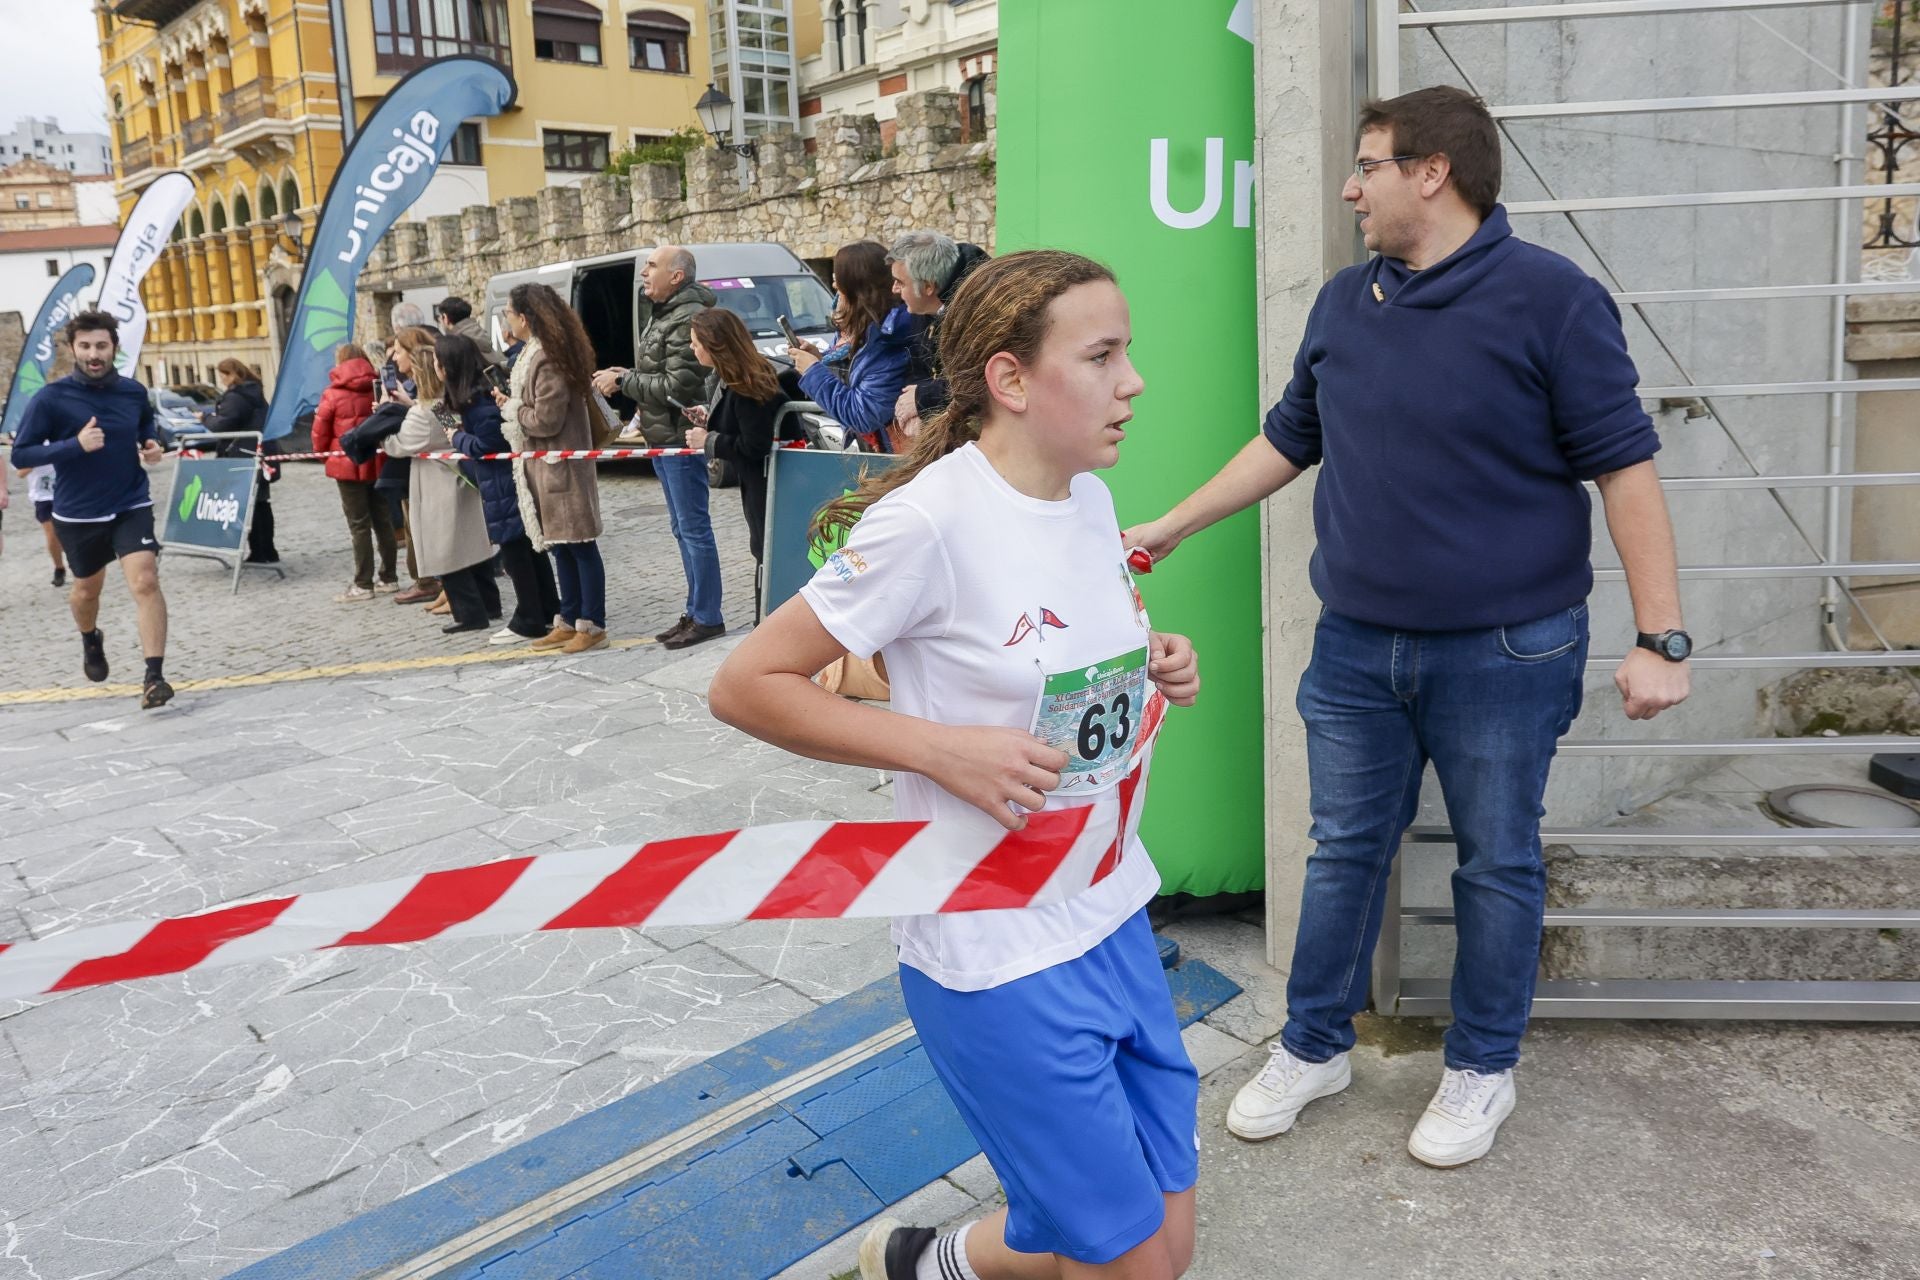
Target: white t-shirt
{"points": [[40, 483], [968, 587]]}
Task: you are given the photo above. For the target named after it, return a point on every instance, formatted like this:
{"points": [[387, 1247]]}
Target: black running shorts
{"points": [[92, 545]]}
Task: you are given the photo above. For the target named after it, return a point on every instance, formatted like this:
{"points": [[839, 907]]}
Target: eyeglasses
{"points": [[1361, 168]]}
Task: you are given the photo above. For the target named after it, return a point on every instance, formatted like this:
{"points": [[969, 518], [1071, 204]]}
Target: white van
{"points": [[757, 282]]}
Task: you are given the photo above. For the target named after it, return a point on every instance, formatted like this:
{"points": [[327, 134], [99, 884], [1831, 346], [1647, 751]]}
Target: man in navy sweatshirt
{"points": [[96, 429], [1458, 388]]}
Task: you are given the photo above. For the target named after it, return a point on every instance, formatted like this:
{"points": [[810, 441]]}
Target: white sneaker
{"points": [[629, 434], [506, 635], [353, 595], [1267, 1105], [1461, 1121]]}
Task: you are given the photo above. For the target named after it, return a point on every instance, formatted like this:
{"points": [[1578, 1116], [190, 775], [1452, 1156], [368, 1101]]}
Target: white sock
{"points": [[946, 1258]]}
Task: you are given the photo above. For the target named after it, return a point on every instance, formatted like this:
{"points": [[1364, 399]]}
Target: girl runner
{"points": [[987, 566]]}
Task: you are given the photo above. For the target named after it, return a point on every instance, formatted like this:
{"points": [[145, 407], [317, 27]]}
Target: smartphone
{"points": [[496, 377], [786, 327], [677, 406]]}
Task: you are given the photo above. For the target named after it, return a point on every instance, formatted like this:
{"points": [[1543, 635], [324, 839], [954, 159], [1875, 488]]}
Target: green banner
{"points": [[1126, 134]]}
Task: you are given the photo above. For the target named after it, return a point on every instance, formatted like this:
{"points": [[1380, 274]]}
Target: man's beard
{"points": [[106, 371]]}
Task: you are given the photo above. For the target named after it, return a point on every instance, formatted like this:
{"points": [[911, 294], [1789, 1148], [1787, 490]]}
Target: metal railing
{"points": [[197, 133], [255, 100], [1394, 991], [136, 156]]}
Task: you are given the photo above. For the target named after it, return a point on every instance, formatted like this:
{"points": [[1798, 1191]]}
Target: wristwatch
{"points": [[1674, 646]]}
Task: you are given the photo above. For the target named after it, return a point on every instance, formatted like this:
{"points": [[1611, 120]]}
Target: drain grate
{"points": [[1824, 804]]}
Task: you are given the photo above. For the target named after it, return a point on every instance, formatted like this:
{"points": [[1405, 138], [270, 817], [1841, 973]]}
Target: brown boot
{"points": [[584, 640], [554, 639]]}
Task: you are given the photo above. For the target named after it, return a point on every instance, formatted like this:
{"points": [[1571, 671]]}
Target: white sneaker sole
{"points": [[1273, 1127], [873, 1249], [1453, 1159]]}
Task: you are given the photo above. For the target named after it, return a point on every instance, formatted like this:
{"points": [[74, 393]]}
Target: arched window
{"points": [[567, 31], [859, 33], [269, 209], [242, 212], [976, 109], [216, 216], [837, 19], [196, 225], [179, 232], [657, 41], [120, 120], [289, 195]]}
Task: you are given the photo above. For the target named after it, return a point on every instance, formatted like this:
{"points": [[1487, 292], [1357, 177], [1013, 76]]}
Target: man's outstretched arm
{"points": [[1258, 471]]}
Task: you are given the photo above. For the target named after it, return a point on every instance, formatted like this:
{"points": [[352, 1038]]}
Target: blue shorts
{"points": [[1076, 1084]]}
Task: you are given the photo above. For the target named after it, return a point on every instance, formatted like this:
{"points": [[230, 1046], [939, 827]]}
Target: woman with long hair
{"points": [[546, 407], [243, 407], [987, 565], [345, 404], [445, 519], [463, 366], [738, 428], [858, 380]]}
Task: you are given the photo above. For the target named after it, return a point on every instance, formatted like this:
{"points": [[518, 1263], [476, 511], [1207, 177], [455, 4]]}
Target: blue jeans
{"points": [[583, 582], [1488, 708], [684, 482]]}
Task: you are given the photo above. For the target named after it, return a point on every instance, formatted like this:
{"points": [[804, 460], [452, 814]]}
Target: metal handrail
{"points": [[1676, 484], [1755, 293], [1604, 9], [1765, 661], [1844, 745], [1719, 572], [1696, 199], [1845, 387], [1725, 838], [1699, 917], [1706, 102]]}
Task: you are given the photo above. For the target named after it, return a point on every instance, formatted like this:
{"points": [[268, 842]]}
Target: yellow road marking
{"points": [[27, 697]]}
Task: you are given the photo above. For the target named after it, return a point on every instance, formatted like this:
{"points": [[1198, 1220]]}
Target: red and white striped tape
{"points": [[786, 871]]}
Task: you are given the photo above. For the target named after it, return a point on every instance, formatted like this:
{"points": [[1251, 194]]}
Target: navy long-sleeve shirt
{"points": [[89, 486], [1457, 410]]}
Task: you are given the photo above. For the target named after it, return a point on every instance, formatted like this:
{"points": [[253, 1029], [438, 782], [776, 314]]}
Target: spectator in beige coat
{"points": [[446, 520], [547, 403]]}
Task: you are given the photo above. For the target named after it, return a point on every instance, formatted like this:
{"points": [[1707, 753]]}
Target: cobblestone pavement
{"points": [[184, 1127], [281, 625]]}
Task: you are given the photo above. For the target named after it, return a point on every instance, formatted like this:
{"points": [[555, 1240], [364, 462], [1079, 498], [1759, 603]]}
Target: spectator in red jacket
{"points": [[344, 405]]}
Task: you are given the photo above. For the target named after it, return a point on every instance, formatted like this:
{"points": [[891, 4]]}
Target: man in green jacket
{"points": [[663, 363], [664, 368]]}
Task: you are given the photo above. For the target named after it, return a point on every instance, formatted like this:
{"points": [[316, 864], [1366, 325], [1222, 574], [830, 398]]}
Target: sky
{"points": [[50, 64]]}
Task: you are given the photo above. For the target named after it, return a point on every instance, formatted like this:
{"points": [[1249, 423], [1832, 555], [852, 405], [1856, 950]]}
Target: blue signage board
{"points": [[799, 483], [209, 505]]}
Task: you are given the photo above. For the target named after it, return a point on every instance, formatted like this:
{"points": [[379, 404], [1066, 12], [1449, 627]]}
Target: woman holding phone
{"points": [[859, 378], [739, 428]]}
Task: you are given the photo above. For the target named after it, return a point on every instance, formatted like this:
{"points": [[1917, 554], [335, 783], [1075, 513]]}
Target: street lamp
{"points": [[291, 226], [715, 110]]}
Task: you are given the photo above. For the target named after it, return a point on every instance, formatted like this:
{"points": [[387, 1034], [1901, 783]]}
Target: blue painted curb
{"points": [[757, 1197]]}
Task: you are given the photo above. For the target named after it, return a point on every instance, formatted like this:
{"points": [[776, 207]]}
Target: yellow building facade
{"points": [[241, 96], [245, 96]]}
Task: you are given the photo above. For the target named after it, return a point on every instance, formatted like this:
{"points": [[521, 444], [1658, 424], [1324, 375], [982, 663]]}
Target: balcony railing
{"points": [[136, 156], [198, 134], [411, 33], [255, 100]]}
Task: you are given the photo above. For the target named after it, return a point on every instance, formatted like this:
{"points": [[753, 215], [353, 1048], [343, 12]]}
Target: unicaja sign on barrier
{"points": [[212, 502]]}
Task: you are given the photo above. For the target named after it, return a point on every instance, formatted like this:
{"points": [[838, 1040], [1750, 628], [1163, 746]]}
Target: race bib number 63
{"points": [[1093, 715]]}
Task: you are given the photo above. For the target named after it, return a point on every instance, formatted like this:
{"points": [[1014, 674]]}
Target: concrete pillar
{"points": [[220, 282], [201, 290], [1304, 104], [246, 283]]}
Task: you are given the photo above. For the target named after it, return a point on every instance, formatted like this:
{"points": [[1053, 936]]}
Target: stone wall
{"points": [[13, 338], [847, 190]]}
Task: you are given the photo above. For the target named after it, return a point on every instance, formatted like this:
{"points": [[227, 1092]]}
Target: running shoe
{"points": [[155, 693], [892, 1251], [353, 595], [384, 588], [59, 577], [93, 656]]}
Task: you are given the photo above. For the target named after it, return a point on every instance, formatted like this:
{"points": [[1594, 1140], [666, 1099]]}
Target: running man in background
{"points": [[95, 428], [40, 493]]}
